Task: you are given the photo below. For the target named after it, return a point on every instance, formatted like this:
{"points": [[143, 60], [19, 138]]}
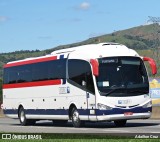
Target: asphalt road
{"points": [[149, 126]]}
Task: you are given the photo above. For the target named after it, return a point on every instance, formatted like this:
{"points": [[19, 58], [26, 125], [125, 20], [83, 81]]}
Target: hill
{"points": [[141, 37]]}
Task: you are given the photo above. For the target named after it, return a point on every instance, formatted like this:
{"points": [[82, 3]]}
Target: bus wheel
{"points": [[120, 123], [22, 118], [75, 118]]}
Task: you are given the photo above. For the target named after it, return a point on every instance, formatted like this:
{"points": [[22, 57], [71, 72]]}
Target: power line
{"points": [[154, 19]]}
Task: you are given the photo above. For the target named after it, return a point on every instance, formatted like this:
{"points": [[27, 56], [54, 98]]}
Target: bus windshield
{"points": [[122, 76]]}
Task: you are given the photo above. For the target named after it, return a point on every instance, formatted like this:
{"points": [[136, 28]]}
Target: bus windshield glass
{"points": [[122, 76]]}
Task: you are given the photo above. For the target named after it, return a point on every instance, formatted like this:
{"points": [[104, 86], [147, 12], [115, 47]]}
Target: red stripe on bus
{"points": [[30, 61], [32, 84]]}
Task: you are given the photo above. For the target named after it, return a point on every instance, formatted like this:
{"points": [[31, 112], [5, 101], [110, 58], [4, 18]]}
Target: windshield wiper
{"points": [[138, 91], [113, 90]]}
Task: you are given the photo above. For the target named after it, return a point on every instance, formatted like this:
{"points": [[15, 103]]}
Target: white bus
{"points": [[96, 82]]}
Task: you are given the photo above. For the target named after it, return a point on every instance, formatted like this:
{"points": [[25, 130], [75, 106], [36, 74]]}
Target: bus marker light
{"points": [[95, 66]]}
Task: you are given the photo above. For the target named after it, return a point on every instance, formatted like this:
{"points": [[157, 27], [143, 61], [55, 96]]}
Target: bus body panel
{"points": [[46, 100]]}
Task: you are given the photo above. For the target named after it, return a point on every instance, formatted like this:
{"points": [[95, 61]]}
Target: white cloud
{"points": [[84, 6], [3, 18]]}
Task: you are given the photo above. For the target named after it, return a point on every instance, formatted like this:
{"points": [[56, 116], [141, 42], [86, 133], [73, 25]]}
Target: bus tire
{"points": [[22, 118], [120, 123], [75, 118]]}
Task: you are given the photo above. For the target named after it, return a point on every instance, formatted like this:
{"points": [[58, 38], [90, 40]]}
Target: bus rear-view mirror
{"points": [[152, 64], [95, 67]]}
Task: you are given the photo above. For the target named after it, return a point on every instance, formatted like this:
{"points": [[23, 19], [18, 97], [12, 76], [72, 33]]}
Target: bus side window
{"points": [[13, 75], [39, 71], [57, 69], [89, 84], [80, 71], [24, 74], [10, 75]]}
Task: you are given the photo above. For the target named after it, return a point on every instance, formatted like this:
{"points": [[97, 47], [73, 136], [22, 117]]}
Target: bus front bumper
{"points": [[123, 116]]}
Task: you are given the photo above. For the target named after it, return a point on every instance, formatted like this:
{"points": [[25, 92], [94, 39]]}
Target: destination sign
{"points": [[107, 61]]}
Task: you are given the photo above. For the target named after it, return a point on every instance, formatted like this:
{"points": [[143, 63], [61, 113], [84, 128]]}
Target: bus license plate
{"points": [[128, 113]]}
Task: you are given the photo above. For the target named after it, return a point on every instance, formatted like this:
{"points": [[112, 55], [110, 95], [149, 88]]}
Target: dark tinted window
{"points": [[24, 73], [79, 71], [57, 69], [12, 76], [35, 72], [122, 76], [40, 71], [89, 82]]}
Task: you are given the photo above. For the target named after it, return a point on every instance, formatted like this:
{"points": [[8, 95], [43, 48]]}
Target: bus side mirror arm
{"points": [[95, 67], [152, 64]]}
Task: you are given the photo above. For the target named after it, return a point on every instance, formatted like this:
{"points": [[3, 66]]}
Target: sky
{"points": [[44, 24]]}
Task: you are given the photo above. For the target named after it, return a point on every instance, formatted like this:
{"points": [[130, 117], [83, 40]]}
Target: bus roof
{"points": [[93, 51], [90, 51]]}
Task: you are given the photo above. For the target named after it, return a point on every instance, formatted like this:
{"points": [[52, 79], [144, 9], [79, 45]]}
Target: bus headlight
{"points": [[103, 107], [149, 104]]}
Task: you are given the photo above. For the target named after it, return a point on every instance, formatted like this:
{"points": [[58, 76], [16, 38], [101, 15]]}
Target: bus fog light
{"points": [[103, 107], [149, 104]]}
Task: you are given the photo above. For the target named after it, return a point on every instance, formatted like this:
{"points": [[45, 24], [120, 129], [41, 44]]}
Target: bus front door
{"points": [[90, 96], [91, 106]]}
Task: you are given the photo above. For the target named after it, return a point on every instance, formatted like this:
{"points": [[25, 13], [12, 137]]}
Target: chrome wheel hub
{"points": [[22, 116], [76, 116]]}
